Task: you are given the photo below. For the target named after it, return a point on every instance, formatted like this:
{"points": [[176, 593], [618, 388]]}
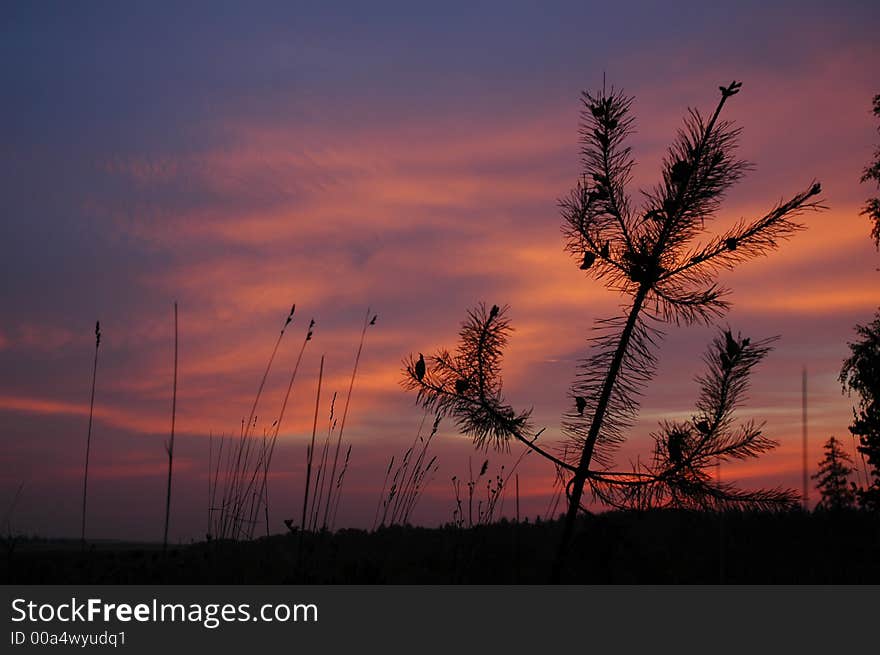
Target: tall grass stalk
{"points": [[338, 495], [210, 499], [241, 476], [311, 449], [399, 474], [357, 359], [320, 478], [382, 493], [89, 435], [414, 480], [241, 467], [407, 473], [170, 445], [263, 495], [558, 489], [517, 497], [486, 510]]}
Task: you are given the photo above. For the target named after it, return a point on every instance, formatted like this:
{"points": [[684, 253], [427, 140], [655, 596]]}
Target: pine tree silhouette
{"points": [[660, 257], [832, 478]]}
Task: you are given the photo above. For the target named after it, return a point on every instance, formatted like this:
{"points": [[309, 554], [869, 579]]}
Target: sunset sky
{"points": [[240, 157]]}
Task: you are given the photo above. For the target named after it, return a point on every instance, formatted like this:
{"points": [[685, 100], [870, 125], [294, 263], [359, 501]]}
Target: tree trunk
{"points": [[580, 476]]}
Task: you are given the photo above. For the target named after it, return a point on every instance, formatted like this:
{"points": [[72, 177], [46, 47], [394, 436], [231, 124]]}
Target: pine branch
{"points": [[685, 450], [747, 240], [479, 410]]}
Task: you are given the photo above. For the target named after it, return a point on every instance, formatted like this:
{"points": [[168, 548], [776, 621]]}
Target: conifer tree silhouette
{"points": [[665, 262], [832, 478]]}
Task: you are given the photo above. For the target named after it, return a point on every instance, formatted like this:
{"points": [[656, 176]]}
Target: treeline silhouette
{"points": [[619, 547]]}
